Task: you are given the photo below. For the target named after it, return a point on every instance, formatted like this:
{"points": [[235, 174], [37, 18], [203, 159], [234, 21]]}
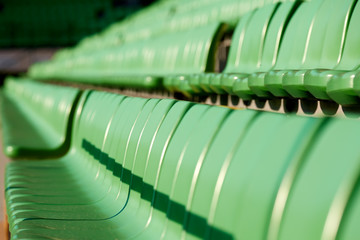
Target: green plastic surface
{"points": [[276, 29], [249, 58], [140, 64], [150, 168], [165, 169], [278, 49], [315, 189], [340, 80], [293, 46], [36, 118], [324, 45], [234, 52]]}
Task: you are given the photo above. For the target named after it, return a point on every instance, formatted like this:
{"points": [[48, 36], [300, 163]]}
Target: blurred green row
{"points": [[291, 49]]}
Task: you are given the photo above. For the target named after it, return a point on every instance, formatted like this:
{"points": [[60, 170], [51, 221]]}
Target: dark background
{"points": [[32, 30]]}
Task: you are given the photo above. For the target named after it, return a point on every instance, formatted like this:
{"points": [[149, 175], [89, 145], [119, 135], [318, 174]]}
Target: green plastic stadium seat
{"points": [[339, 81], [232, 62], [220, 152], [140, 64], [350, 212], [324, 47], [250, 54], [293, 46], [276, 30], [188, 164], [36, 118], [314, 189], [256, 175]]}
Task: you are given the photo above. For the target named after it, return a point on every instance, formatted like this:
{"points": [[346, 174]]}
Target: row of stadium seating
{"points": [[37, 102], [165, 17], [90, 164], [150, 169], [301, 50]]}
